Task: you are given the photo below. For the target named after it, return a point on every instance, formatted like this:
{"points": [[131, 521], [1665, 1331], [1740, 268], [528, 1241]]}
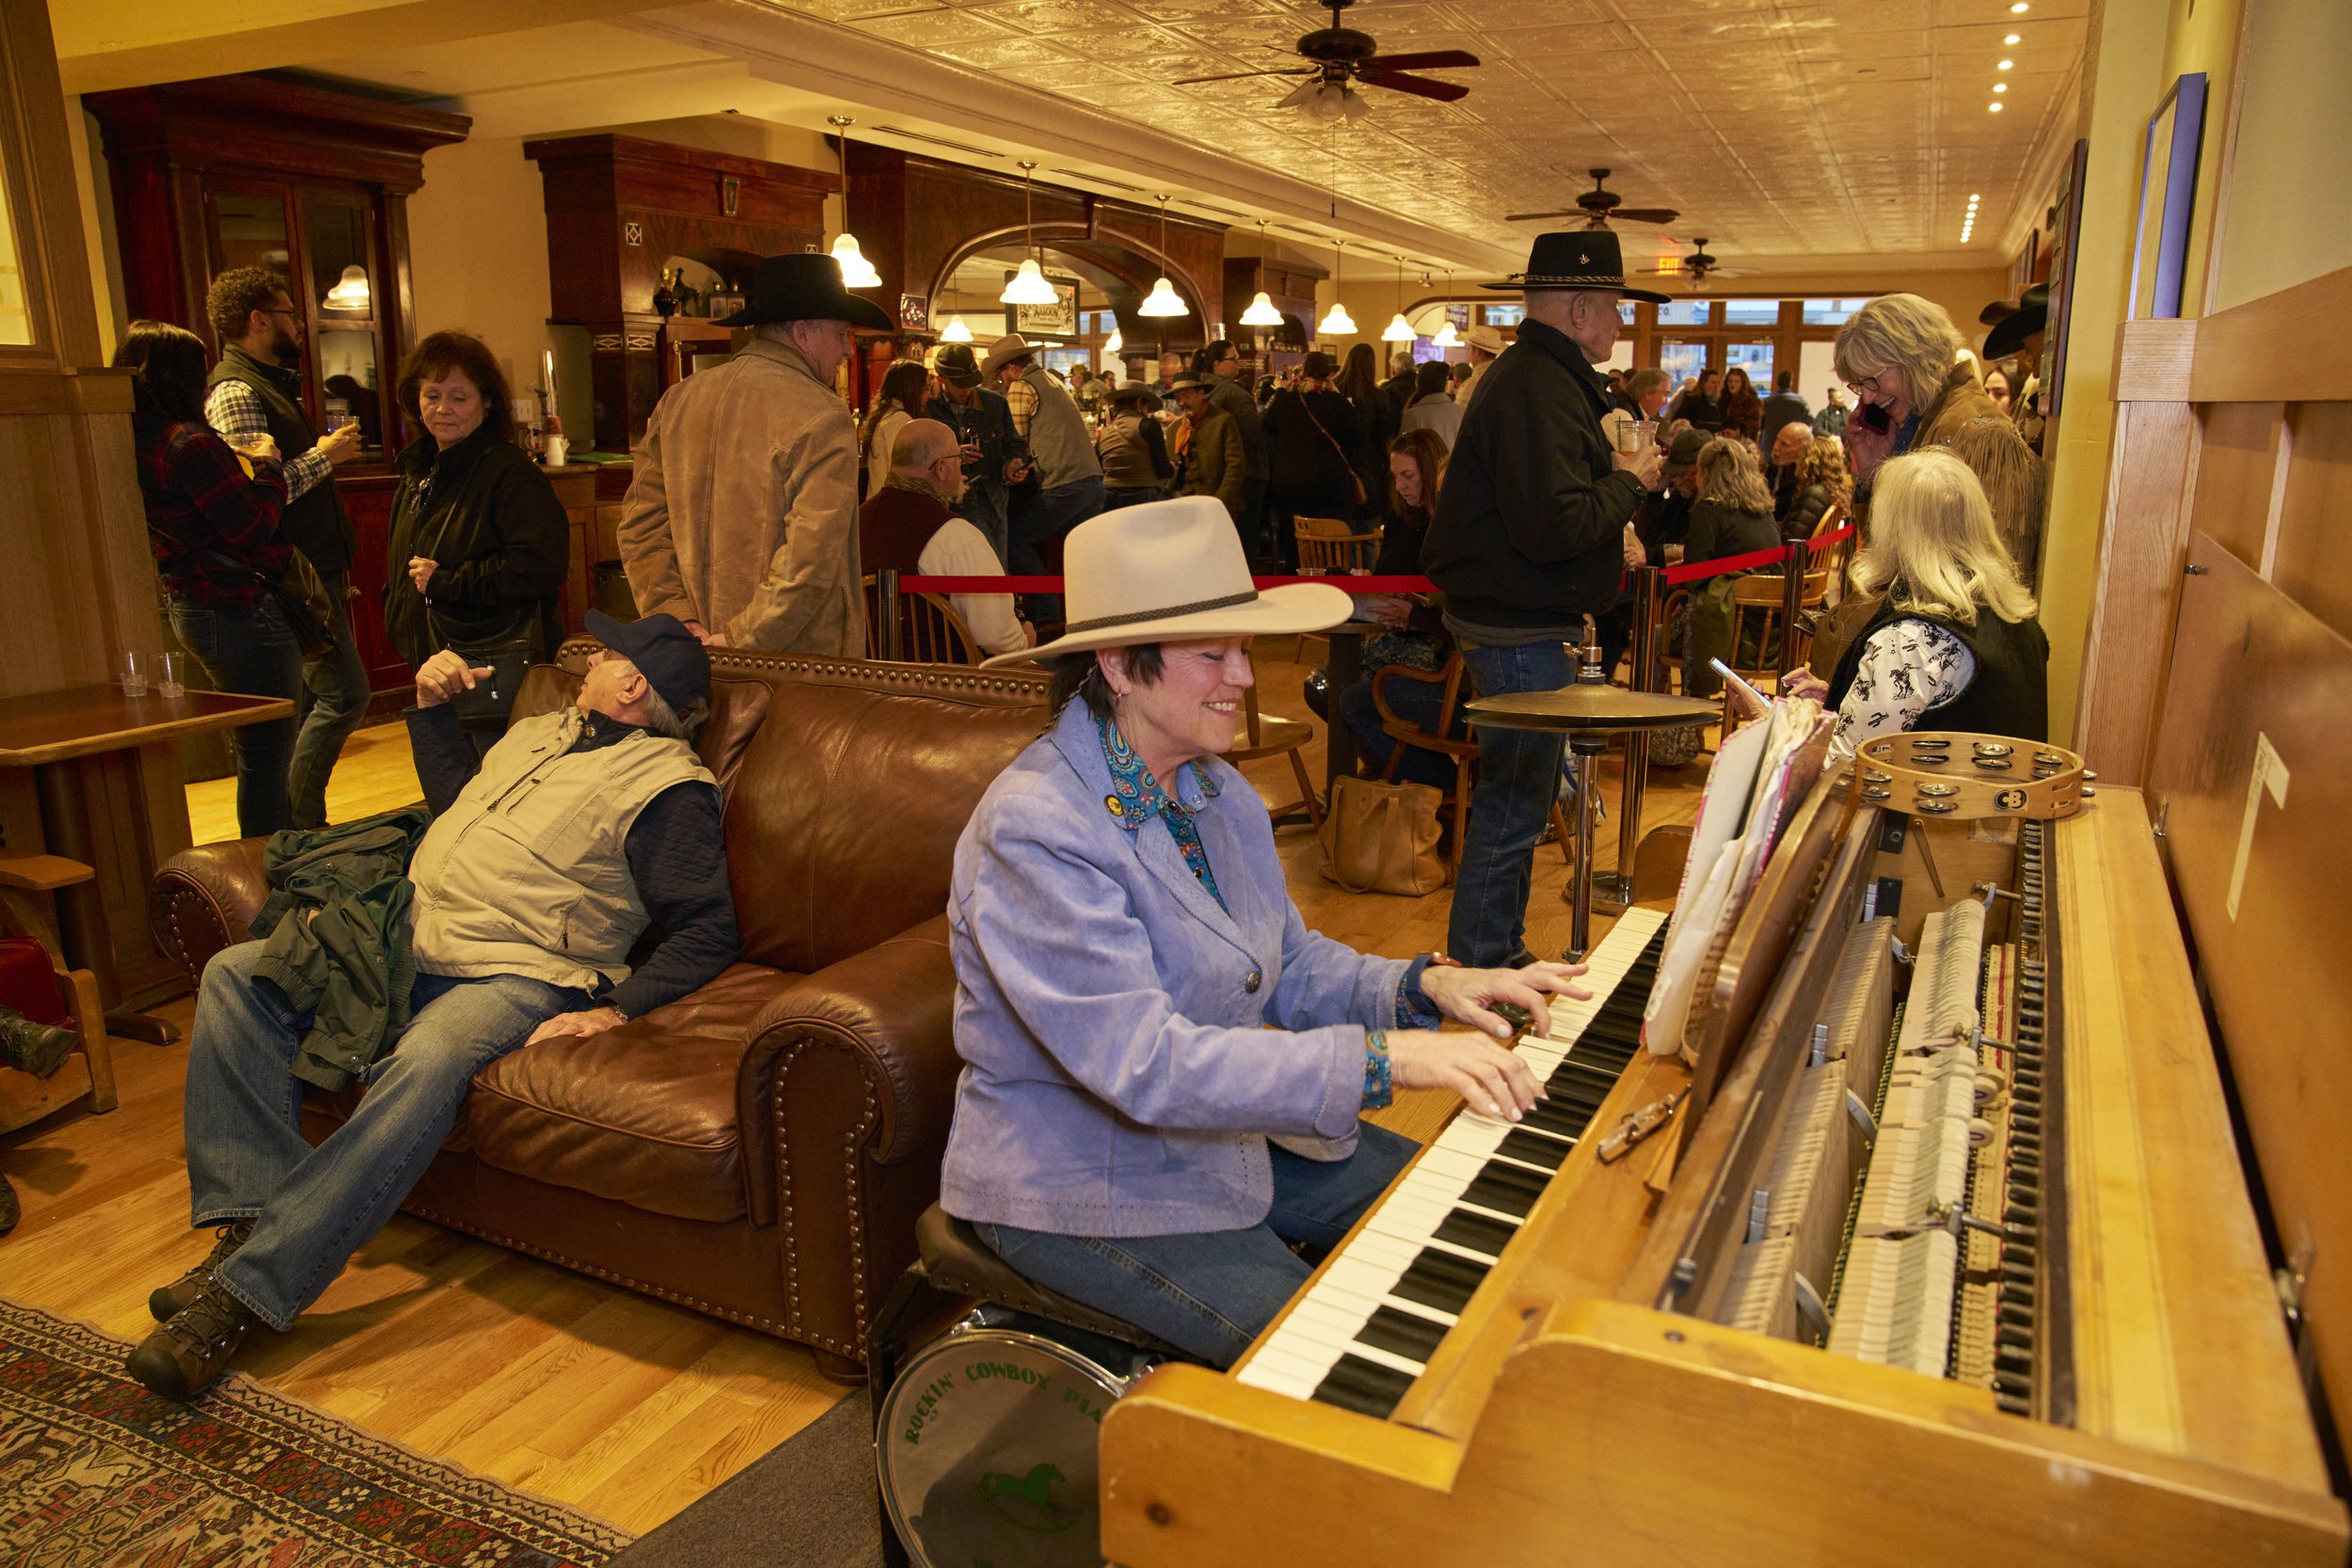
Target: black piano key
{"points": [[1505, 1187], [1478, 1232], [1402, 1334], [1438, 1278], [1534, 1147], [1355, 1384], [1558, 1117]]}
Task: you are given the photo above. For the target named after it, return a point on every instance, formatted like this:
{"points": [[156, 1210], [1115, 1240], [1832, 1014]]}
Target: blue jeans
{"points": [[1415, 702], [1132, 496], [336, 687], [1518, 778], [983, 507], [1047, 516], [256, 655], [1211, 1294], [313, 1208]]}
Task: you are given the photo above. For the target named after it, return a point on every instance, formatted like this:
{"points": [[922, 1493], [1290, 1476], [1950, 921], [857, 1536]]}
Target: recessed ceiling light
{"points": [[1994, 107], [2014, 38], [2020, 8], [2000, 86], [2005, 65]]}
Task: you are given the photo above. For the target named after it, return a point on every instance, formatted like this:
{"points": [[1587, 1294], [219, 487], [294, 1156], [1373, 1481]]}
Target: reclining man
{"points": [[619, 825]]}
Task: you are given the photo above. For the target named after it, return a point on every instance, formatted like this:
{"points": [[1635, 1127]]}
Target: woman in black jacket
{"points": [[1309, 432], [479, 542], [1379, 422], [1732, 515]]}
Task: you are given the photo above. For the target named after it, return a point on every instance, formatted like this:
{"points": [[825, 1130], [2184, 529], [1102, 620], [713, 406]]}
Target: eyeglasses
{"points": [[1869, 383]]}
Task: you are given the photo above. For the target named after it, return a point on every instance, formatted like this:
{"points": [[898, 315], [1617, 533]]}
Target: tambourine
{"points": [[1950, 774]]}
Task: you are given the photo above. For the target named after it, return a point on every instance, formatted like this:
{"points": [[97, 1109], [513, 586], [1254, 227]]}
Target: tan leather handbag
{"points": [[1380, 837]]}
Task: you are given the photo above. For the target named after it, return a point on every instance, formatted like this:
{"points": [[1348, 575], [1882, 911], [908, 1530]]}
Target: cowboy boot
{"points": [[186, 1356], [40, 1048], [168, 1302]]}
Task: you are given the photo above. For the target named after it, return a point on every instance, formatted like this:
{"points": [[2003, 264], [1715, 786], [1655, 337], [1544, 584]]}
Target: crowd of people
{"points": [[1133, 1126]]}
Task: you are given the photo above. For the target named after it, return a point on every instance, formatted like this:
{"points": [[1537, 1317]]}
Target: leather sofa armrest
{"points": [[204, 899], [890, 1007]]}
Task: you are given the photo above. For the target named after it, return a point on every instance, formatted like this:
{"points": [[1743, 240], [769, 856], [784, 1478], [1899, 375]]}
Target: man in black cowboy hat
{"points": [[1529, 539], [742, 517], [2017, 332]]}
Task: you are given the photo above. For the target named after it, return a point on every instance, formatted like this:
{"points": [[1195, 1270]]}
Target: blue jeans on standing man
{"points": [[254, 653], [1209, 1294], [313, 1208], [336, 686], [1518, 779], [1045, 516]]}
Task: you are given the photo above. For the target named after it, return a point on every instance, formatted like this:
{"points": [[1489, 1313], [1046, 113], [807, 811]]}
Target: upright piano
{"points": [[1955, 1263]]}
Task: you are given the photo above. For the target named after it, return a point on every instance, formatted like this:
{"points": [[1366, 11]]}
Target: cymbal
{"points": [[1587, 708]]}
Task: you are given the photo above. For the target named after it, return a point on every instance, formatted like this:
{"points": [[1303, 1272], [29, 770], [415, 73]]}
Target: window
{"points": [[1751, 312], [1681, 362], [1683, 312], [1831, 312], [1755, 358], [1625, 311], [1504, 315]]}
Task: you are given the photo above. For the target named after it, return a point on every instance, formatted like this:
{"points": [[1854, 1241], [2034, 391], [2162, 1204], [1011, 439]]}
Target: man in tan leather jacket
{"points": [[741, 515]]}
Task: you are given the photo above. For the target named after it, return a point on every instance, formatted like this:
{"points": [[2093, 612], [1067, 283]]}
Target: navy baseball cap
{"points": [[670, 657]]}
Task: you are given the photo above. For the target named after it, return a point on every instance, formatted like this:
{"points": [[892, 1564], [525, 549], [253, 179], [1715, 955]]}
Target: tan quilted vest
{"points": [[527, 872]]}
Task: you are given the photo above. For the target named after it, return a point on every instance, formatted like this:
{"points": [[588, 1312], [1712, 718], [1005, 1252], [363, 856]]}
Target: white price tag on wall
{"points": [[2271, 776]]}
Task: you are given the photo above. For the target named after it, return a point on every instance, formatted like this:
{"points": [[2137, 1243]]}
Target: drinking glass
{"points": [[1644, 434], [174, 666], [132, 672]]}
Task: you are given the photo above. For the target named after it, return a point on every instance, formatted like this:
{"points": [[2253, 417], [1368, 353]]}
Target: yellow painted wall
{"points": [[2288, 216]]}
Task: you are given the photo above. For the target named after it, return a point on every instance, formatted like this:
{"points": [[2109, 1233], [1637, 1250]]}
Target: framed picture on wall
{"points": [[2167, 195], [2021, 269], [1058, 319], [2067, 241]]}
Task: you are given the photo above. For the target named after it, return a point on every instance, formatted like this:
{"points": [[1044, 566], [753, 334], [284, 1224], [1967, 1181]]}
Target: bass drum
{"points": [[986, 1442]]}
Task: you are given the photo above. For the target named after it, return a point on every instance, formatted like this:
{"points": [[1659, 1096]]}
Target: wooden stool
{"points": [[24, 1099]]}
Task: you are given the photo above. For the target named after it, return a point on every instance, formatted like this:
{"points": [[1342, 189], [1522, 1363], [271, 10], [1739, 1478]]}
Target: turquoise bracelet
{"points": [[1378, 1087]]}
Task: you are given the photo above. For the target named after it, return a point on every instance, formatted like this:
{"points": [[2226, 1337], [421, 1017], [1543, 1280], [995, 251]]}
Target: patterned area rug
{"points": [[95, 1471]]}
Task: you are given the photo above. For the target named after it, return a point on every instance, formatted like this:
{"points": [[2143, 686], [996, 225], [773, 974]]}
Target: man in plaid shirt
{"points": [[256, 389]]}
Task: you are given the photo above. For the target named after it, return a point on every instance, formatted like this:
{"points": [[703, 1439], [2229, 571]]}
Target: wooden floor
{"points": [[548, 1381]]}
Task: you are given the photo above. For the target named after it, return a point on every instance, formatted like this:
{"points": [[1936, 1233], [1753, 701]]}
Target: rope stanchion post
{"points": [[886, 591], [1614, 893], [1792, 602]]}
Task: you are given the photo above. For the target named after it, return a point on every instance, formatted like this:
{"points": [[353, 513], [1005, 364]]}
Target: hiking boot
{"points": [[186, 1356], [40, 1048], [177, 1297]]}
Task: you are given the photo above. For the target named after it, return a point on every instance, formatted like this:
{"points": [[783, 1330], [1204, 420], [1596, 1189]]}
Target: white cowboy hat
{"points": [[1487, 340], [1173, 571], [1009, 347]]}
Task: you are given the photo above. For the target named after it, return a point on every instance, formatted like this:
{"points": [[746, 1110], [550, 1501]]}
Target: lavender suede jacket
{"points": [[1121, 1077]]}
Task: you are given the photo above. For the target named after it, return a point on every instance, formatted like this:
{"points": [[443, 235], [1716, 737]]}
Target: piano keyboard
{"points": [[1369, 1324]]}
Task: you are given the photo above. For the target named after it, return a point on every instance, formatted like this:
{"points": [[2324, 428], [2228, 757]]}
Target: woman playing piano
{"points": [[1953, 642], [1164, 1067]]}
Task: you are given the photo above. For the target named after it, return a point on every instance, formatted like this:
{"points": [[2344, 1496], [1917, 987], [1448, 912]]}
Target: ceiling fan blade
{"points": [[1238, 75], [1420, 87], [1428, 59], [1644, 215], [1531, 217]]}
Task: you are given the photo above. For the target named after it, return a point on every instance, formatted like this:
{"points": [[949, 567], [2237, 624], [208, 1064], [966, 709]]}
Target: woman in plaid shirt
{"points": [[211, 520]]}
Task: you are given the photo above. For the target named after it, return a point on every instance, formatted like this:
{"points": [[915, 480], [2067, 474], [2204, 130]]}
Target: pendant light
{"points": [[350, 291], [856, 270], [1028, 285], [1262, 311], [1399, 330], [1447, 337], [1163, 300], [1114, 343], [1336, 323], [956, 331]]}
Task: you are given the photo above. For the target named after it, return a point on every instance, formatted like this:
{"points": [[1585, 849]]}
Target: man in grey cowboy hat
{"points": [[1528, 539], [1069, 475], [741, 517], [994, 454]]}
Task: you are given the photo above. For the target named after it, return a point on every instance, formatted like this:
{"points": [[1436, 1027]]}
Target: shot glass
{"points": [[174, 667], [131, 670]]}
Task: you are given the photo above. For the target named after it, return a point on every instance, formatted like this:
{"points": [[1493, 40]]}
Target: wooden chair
{"points": [[1464, 752], [1332, 545], [930, 630], [1761, 600], [1268, 735], [24, 1099]]}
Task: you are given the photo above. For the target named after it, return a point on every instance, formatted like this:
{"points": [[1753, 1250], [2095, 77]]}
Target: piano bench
{"points": [[955, 1262]]}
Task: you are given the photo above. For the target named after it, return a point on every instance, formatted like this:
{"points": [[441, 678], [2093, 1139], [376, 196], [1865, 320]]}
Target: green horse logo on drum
{"points": [[1026, 1501]]}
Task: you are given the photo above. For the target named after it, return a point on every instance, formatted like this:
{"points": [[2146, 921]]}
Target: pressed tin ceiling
{"points": [[1787, 128]]}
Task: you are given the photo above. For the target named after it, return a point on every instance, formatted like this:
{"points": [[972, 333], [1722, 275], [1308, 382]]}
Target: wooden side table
{"points": [[93, 775]]}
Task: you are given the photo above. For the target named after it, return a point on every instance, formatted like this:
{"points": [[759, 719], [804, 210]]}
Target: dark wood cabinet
{"points": [[233, 172]]}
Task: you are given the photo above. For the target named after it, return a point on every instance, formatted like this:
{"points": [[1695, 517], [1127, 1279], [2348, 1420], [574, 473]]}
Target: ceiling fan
{"points": [[1339, 56], [1600, 205], [1699, 266]]}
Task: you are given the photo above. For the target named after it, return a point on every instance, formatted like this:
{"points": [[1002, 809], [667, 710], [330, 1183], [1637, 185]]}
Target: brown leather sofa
{"points": [[761, 1150]]}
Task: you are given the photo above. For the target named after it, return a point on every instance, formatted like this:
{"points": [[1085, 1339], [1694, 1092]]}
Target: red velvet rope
{"points": [[1357, 584]]}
